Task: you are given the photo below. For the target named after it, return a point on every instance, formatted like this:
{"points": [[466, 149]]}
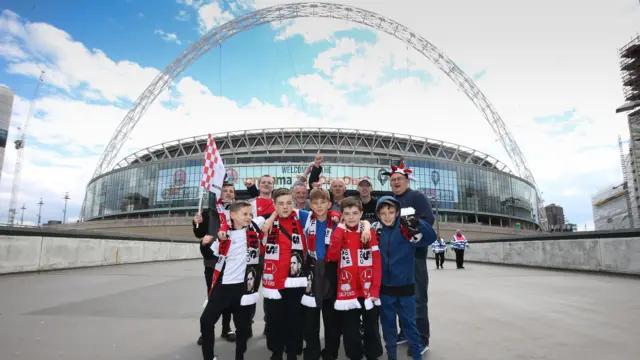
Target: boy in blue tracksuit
{"points": [[439, 248], [399, 235]]}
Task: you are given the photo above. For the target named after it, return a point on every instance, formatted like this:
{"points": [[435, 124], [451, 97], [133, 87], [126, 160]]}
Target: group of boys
{"points": [[312, 263]]}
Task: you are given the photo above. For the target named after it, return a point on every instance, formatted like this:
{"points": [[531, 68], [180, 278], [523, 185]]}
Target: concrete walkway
{"points": [[151, 311]]}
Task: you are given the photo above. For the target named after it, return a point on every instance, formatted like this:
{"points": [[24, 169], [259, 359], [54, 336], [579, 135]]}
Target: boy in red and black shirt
{"points": [[283, 278], [359, 277]]}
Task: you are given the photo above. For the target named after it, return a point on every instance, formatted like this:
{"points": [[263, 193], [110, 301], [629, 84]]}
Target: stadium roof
{"points": [[311, 141]]}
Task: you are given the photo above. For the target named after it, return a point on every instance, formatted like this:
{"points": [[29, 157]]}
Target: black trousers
{"points": [[226, 313], [223, 297], [284, 317], [459, 258], [351, 333], [439, 259], [311, 332]]}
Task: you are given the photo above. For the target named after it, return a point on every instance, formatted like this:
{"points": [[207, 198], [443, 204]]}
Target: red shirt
{"points": [[264, 206], [353, 243]]}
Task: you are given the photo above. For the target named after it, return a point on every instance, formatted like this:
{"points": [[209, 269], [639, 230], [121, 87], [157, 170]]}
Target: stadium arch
{"points": [[361, 16]]}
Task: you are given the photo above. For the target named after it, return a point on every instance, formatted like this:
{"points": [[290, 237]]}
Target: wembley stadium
{"points": [[464, 185]]}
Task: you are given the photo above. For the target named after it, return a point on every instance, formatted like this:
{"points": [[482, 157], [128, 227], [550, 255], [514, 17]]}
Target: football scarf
{"points": [[223, 212], [355, 270], [309, 297], [283, 268], [252, 273]]}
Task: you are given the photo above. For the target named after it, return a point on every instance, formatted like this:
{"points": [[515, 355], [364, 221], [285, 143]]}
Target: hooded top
{"points": [[397, 252]]}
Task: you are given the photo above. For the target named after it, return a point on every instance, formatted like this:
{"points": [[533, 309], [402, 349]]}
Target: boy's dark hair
{"points": [[280, 192], [350, 202], [387, 205], [227, 185], [319, 194], [238, 205]]}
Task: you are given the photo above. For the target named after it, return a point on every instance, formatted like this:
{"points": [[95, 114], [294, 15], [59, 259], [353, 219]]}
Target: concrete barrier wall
{"points": [[605, 252], [37, 250]]}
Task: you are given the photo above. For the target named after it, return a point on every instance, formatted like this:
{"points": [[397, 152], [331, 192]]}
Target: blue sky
{"points": [[555, 87]]}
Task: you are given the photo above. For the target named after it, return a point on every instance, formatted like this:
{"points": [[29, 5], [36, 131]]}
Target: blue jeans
{"points": [[421, 279], [404, 307]]}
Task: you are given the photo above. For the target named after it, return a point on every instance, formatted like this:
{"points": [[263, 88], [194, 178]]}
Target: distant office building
{"points": [[6, 107], [555, 217], [610, 210]]}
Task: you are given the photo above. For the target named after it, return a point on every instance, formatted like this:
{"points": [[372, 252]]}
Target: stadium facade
{"points": [[465, 185]]}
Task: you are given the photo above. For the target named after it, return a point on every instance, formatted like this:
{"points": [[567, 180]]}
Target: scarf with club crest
{"points": [[284, 256]]}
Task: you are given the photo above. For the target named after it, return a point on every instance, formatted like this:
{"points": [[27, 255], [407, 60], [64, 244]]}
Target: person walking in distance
{"points": [[399, 177], [238, 262], [439, 247], [458, 244]]}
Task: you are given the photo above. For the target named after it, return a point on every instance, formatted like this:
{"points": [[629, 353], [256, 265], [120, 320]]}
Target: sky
{"points": [[549, 67]]}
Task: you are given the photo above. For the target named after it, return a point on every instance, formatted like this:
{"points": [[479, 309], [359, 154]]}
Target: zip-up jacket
{"points": [[439, 246], [398, 252]]}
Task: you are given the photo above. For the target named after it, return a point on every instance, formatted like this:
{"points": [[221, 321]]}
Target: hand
{"points": [[248, 183], [316, 184], [373, 298], [266, 227], [365, 237], [197, 219], [335, 218], [222, 235], [207, 240]]}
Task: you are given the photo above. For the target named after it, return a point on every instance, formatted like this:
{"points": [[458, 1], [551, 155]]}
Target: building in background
{"points": [[610, 210], [555, 217], [465, 185], [6, 108], [630, 71]]}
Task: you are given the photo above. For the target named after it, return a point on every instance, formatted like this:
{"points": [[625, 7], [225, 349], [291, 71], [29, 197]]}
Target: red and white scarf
{"points": [[277, 272], [309, 297], [254, 234], [355, 271]]}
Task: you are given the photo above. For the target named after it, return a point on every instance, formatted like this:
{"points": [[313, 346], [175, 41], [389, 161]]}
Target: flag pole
{"points": [[200, 204]]}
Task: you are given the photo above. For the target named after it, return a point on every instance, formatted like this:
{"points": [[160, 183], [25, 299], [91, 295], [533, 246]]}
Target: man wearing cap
{"points": [[399, 178], [368, 202]]}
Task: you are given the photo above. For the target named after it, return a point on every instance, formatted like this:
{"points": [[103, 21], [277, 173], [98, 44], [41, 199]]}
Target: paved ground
{"points": [[151, 311]]}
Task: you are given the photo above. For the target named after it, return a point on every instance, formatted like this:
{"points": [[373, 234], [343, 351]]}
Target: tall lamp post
{"points": [[64, 212], [40, 211], [24, 207], [435, 200]]}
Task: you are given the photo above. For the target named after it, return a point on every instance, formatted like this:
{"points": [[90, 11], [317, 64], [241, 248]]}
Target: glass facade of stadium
{"points": [[461, 192]]}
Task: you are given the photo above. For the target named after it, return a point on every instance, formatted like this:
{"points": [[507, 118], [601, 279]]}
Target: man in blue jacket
{"points": [[400, 234], [399, 177]]}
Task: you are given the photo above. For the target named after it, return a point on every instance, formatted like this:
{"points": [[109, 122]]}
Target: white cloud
{"points": [[170, 37], [140, 14], [212, 15], [183, 15]]}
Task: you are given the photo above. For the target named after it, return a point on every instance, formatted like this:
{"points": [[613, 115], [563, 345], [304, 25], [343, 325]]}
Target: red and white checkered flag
{"points": [[214, 170]]}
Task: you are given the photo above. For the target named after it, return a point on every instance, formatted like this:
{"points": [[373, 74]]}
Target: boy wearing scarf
{"points": [[283, 279], [233, 283], [320, 292], [359, 275], [400, 233]]}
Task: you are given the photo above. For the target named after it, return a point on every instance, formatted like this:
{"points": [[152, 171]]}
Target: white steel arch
{"points": [[319, 10]]}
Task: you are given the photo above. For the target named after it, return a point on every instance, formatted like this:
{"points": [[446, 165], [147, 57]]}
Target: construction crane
{"points": [[20, 148], [626, 182]]}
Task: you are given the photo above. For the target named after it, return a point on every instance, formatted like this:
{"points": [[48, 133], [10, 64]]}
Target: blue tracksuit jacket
{"points": [[397, 252]]}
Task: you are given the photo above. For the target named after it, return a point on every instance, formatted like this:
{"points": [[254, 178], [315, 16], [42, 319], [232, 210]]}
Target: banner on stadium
{"points": [[183, 183]]}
